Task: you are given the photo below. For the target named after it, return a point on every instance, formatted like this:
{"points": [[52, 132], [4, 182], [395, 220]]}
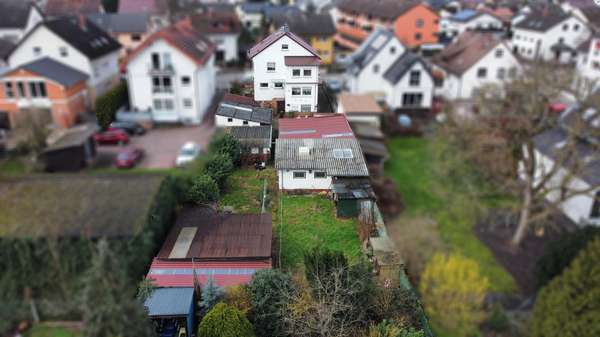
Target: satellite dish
{"points": [[404, 121]]}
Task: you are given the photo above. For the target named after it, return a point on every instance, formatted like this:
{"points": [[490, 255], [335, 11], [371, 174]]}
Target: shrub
{"points": [[453, 291], [219, 167], [211, 295], [227, 145], [389, 329], [239, 297], [320, 263], [399, 305], [269, 290], [107, 105], [225, 321], [569, 305], [559, 254], [202, 189], [498, 321]]}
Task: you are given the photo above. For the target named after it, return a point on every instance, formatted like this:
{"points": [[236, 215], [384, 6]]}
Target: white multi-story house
{"points": [[475, 59], [172, 75], [78, 43], [468, 19], [588, 62], [383, 67], [286, 68], [236, 110], [18, 18], [549, 35], [251, 14]]}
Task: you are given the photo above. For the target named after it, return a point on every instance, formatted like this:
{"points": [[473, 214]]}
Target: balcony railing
{"points": [[162, 90], [163, 70]]}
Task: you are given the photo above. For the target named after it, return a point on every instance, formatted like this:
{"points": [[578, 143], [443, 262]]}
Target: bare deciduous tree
{"points": [[505, 136]]}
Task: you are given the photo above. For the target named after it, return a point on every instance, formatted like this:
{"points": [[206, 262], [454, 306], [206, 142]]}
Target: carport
{"points": [[170, 309]]}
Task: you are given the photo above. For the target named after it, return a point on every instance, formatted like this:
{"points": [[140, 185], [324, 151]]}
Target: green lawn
{"points": [[410, 166], [308, 220], [11, 166], [42, 330]]}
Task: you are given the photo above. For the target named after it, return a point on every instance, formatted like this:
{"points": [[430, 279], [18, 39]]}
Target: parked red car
{"points": [[129, 158], [112, 136]]}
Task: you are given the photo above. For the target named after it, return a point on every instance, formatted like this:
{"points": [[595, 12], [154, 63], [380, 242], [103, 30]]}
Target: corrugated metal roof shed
{"points": [[170, 302]]}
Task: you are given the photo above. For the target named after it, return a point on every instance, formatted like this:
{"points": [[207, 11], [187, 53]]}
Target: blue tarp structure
{"points": [[172, 303]]}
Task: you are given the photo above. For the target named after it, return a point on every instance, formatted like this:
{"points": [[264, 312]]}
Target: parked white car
{"points": [[188, 152]]}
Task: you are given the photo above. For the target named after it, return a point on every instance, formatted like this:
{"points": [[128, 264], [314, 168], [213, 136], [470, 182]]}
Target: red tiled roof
{"points": [[173, 273], [330, 126], [302, 61], [182, 37], [467, 50], [269, 40], [231, 98]]}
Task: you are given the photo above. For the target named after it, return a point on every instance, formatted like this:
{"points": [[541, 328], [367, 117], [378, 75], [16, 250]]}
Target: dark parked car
{"points": [[131, 128], [112, 136], [129, 158]]}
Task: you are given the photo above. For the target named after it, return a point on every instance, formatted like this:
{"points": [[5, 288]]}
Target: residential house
{"points": [[384, 68], [236, 110], [157, 9], [17, 18], [360, 108], [46, 85], [130, 29], [581, 208], [317, 29], [251, 15], [414, 23], [469, 19], [78, 43], [62, 8], [549, 35], [588, 63], [202, 244], [223, 29], [286, 70], [255, 141], [172, 75], [315, 164], [473, 60]]}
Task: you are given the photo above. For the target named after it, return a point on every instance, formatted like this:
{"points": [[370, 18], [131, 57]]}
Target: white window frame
{"points": [[299, 174]]}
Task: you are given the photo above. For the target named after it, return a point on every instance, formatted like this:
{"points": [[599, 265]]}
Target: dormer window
{"points": [[284, 47]]}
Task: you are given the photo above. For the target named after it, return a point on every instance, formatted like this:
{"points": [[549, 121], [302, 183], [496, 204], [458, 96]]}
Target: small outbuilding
{"points": [[360, 108], [353, 198], [71, 150], [171, 310], [255, 141]]}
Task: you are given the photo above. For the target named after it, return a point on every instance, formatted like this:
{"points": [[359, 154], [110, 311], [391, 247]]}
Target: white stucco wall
{"points": [[288, 182], [200, 90], [227, 43], [426, 86], [222, 121], [588, 63]]}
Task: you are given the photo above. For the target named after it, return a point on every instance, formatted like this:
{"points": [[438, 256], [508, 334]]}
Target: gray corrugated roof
{"points": [[170, 302], [399, 68], [245, 112], [55, 71], [321, 156], [121, 22], [250, 132]]}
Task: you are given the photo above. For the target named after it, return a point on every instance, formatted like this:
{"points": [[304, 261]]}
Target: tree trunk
{"points": [[523, 217]]}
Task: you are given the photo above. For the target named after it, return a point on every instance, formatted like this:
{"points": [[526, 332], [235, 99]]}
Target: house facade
{"points": [[588, 62], [475, 59], [172, 75], [468, 19], [415, 24], [223, 29], [286, 69], [549, 36], [78, 43], [44, 85], [17, 19], [130, 29], [384, 68], [316, 29]]}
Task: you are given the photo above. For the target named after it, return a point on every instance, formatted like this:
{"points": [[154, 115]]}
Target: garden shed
{"points": [[171, 309], [71, 150], [353, 198]]}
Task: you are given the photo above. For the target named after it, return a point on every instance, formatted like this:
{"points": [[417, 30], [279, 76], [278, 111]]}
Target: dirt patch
{"points": [[497, 231]]}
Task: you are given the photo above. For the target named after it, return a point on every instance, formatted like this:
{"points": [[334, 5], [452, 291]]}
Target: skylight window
{"points": [[343, 153]]}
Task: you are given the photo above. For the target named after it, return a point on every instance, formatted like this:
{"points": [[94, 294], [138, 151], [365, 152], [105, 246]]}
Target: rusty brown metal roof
{"points": [[221, 236]]}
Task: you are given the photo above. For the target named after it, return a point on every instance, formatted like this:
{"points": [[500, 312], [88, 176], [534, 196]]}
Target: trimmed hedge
{"points": [[106, 105]]}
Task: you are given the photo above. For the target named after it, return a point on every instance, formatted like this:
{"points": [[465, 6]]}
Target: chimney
{"points": [[82, 21]]}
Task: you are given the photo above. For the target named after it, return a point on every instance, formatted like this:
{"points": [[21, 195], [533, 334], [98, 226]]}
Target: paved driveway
{"points": [[161, 145]]}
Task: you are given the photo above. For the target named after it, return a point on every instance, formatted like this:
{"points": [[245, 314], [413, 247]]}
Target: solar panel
{"points": [[342, 153]]}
